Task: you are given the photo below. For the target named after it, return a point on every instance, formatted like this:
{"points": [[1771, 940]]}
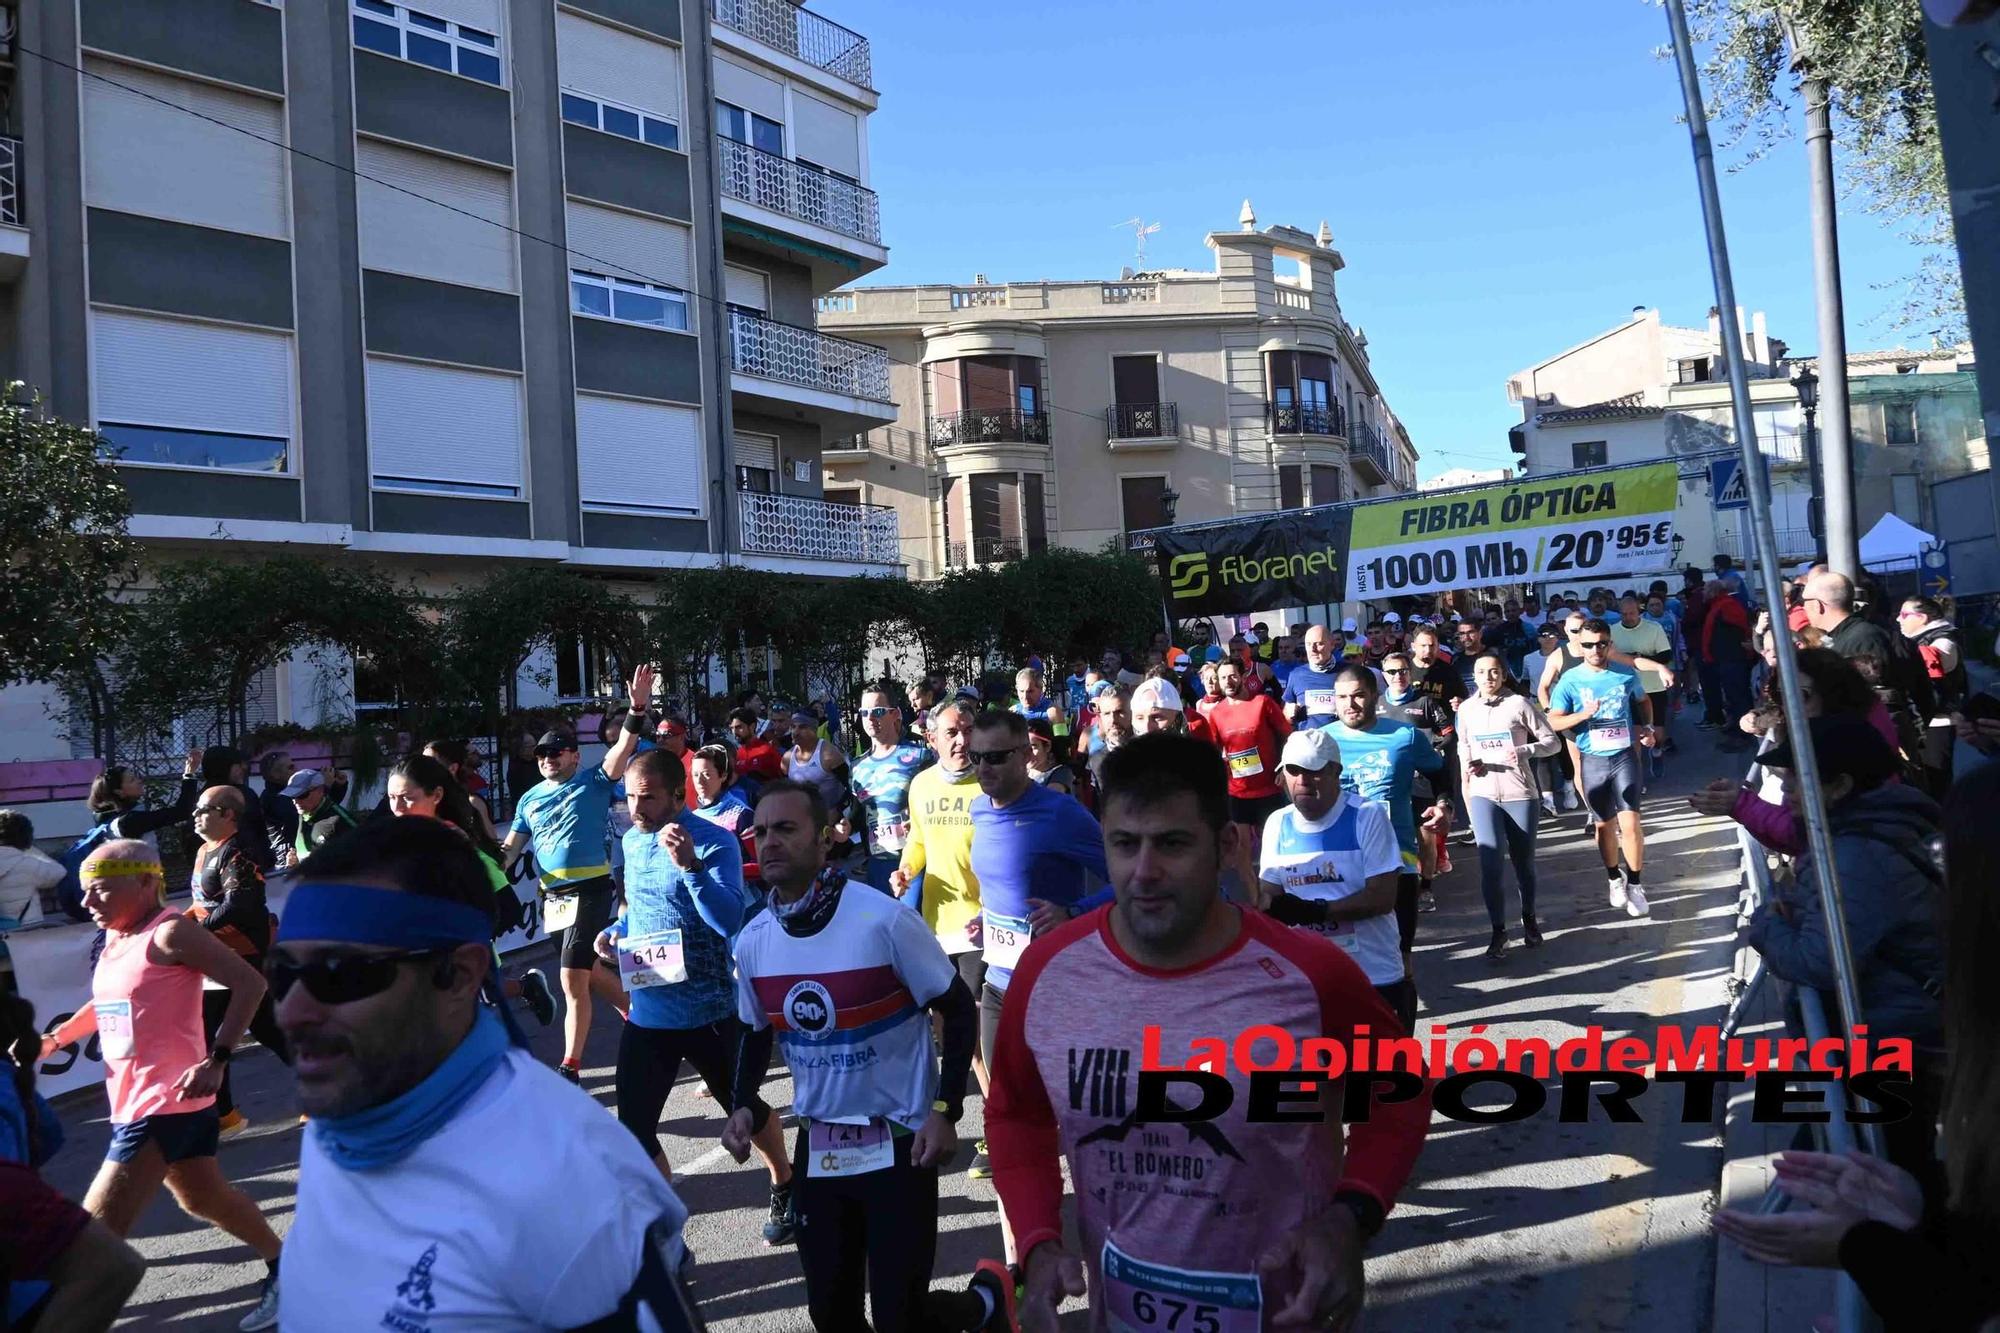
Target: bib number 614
{"points": [[1173, 1315]]}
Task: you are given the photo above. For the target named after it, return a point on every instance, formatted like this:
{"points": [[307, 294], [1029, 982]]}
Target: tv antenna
{"points": [[1141, 230]]}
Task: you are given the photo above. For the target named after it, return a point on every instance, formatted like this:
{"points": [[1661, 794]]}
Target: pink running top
{"points": [[148, 1025]]}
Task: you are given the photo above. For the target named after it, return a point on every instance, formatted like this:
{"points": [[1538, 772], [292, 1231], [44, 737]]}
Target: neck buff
{"points": [[383, 1135], [811, 910]]}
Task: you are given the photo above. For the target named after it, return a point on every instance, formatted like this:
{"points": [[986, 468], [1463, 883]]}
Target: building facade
{"points": [[448, 284], [1037, 414], [1646, 390]]}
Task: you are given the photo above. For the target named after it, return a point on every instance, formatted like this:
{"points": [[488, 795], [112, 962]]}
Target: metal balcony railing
{"points": [[1364, 442], [810, 529], [1291, 419], [1142, 421], [981, 551], [797, 31], [1006, 425], [807, 357], [1782, 448], [783, 186], [1792, 542], [10, 180]]}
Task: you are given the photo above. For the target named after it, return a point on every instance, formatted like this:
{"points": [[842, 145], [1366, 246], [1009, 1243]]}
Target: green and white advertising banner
{"points": [[1549, 529]]}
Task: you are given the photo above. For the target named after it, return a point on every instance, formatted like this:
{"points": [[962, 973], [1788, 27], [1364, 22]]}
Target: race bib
{"points": [[1246, 763], [1615, 734], [892, 836], [850, 1150], [651, 960], [1006, 939], [1317, 701], [559, 912], [1152, 1298], [114, 1029], [1494, 746]]}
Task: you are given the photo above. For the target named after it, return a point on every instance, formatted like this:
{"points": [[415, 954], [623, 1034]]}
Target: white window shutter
{"points": [[404, 231], [443, 423], [757, 451], [619, 66], [612, 432], [481, 14], [626, 245], [825, 134], [746, 287], [153, 371], [751, 91]]}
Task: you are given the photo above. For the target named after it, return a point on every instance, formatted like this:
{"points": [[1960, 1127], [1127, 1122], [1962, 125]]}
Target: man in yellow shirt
{"points": [[940, 849]]}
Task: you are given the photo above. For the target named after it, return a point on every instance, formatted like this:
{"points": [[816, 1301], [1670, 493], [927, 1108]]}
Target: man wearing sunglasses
{"points": [[1609, 703], [881, 781], [568, 816], [161, 1071], [448, 1179]]}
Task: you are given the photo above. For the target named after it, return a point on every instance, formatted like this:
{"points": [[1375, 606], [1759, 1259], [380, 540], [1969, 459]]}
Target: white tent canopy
{"points": [[1892, 542]]}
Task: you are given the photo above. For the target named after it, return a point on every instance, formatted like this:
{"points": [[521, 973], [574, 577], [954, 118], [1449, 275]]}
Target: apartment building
{"points": [[1647, 390], [446, 284], [1033, 414]]}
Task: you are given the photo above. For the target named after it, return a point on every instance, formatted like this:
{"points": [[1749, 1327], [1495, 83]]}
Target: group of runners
{"points": [[1002, 902]]}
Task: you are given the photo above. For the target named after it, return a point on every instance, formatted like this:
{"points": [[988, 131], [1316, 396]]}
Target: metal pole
{"points": [[1816, 505], [1819, 835]]}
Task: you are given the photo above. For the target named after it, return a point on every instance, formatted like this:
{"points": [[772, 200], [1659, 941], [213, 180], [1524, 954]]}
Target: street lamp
{"points": [[1679, 542], [1807, 385], [1170, 503]]}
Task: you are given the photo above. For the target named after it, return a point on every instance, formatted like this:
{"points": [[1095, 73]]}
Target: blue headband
{"points": [[332, 913]]}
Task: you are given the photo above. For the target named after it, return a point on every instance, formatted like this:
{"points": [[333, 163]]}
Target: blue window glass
{"points": [[194, 448], [621, 122], [376, 7], [449, 487], [587, 298], [579, 110], [1026, 395], [477, 65], [768, 135], [662, 133], [430, 51], [372, 36], [638, 308], [478, 38], [732, 122], [426, 21]]}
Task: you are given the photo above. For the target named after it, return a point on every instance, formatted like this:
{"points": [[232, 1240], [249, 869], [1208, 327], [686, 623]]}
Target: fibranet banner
{"points": [[1555, 529], [1289, 559]]}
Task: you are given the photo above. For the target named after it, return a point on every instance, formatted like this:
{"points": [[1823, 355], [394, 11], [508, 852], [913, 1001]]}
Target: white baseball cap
{"points": [[1348, 626], [1155, 694], [1393, 618], [1312, 749]]}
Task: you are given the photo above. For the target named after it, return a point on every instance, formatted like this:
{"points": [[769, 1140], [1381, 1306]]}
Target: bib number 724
{"points": [[1173, 1315]]}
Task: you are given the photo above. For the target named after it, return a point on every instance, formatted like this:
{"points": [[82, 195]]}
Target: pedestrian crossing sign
{"points": [[1727, 484]]}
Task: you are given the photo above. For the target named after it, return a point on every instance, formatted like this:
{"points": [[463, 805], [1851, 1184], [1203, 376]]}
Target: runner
{"points": [[1606, 699], [1033, 851], [1402, 701], [881, 780], [1045, 765], [1503, 737], [1309, 691], [160, 1071], [1031, 700], [1380, 759], [320, 816], [568, 814], [448, 1179], [1266, 1221], [1335, 861], [228, 900], [843, 979], [1250, 728], [813, 758], [756, 758], [719, 799], [1636, 637]]}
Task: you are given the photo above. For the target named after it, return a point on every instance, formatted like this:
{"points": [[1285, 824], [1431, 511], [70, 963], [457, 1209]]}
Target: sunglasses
{"points": [[343, 978], [1294, 770], [992, 756], [201, 810], [872, 713], [546, 752], [1396, 671], [1594, 643]]}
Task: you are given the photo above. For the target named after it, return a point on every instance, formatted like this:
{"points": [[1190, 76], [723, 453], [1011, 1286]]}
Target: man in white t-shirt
{"points": [[448, 1179], [1335, 860]]}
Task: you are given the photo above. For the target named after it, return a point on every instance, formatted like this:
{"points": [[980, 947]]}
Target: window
{"points": [[1899, 422], [1034, 516], [194, 448], [1141, 504], [610, 432], [1135, 380], [1696, 370], [596, 114], [1291, 487], [580, 667], [424, 39], [186, 393], [627, 302], [1588, 453], [1325, 484], [1026, 395], [444, 429], [756, 462], [846, 495], [733, 122], [1905, 498]]}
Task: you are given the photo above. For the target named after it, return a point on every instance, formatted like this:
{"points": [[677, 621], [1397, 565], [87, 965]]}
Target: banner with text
{"points": [[1535, 530], [1288, 559]]}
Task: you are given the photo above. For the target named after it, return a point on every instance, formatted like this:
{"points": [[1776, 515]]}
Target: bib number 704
{"points": [[1174, 1315]]}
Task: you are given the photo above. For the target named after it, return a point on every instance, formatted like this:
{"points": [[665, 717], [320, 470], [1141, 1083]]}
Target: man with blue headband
{"points": [[447, 1178]]}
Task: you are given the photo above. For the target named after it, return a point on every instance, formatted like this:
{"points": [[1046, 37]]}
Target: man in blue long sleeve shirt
{"points": [[684, 902]]}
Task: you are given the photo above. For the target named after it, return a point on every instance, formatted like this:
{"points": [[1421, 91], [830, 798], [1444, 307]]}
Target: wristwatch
{"points": [[220, 1054], [1368, 1214]]}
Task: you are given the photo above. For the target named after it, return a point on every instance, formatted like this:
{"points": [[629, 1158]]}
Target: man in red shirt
{"points": [[1250, 727], [755, 756], [671, 735]]}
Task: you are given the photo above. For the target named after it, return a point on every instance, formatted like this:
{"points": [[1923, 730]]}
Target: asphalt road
{"points": [[1536, 1224]]}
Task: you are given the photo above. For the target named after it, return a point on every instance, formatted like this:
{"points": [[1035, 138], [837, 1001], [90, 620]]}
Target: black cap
{"points": [[1847, 745], [555, 740]]}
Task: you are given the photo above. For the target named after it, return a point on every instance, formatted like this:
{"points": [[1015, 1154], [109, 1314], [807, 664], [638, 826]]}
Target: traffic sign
{"points": [[1934, 570], [1727, 484]]}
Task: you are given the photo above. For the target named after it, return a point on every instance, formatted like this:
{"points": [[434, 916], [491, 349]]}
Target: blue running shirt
{"points": [[1610, 691], [883, 785], [570, 823], [1379, 764]]}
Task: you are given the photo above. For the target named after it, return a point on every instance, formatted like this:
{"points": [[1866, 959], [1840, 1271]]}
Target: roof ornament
{"points": [[1248, 217]]}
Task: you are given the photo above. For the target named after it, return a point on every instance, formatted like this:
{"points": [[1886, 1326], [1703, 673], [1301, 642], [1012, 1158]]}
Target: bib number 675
{"points": [[1165, 1312]]}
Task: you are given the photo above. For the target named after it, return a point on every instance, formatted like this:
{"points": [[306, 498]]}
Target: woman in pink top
{"points": [[1500, 735], [160, 1073]]}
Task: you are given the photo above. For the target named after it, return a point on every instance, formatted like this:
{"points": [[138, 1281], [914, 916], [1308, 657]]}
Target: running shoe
{"points": [[1427, 901], [981, 1169], [1497, 951], [572, 1073], [1635, 901], [233, 1124], [781, 1227], [1549, 807], [1617, 888], [1589, 822], [535, 993], [266, 1313], [1004, 1286], [1531, 933]]}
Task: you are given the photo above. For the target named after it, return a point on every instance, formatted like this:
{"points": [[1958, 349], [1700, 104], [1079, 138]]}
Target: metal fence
{"points": [[783, 186], [808, 358], [797, 31], [815, 529]]}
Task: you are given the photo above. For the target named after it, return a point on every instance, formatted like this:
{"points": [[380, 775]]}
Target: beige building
{"points": [[1032, 414]]}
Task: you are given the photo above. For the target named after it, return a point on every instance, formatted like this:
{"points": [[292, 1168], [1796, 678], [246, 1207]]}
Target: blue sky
{"points": [[1503, 179]]}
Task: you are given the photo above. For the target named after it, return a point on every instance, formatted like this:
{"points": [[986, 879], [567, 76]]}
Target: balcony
{"points": [[804, 528], [848, 382], [1793, 544], [1292, 419], [1781, 450], [783, 186], [982, 551], [1142, 424], [1367, 451], [801, 34], [13, 220], [979, 426]]}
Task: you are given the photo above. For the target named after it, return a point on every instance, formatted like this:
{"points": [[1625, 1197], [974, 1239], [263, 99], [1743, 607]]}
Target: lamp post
{"points": [[1807, 385], [1170, 503]]}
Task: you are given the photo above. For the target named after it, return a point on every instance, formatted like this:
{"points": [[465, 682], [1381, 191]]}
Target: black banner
{"points": [[1257, 564]]}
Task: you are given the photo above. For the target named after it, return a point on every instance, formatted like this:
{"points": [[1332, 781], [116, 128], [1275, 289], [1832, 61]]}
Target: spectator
{"points": [[1726, 658], [223, 766], [281, 817], [1922, 623], [25, 873], [1830, 606], [756, 757]]}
